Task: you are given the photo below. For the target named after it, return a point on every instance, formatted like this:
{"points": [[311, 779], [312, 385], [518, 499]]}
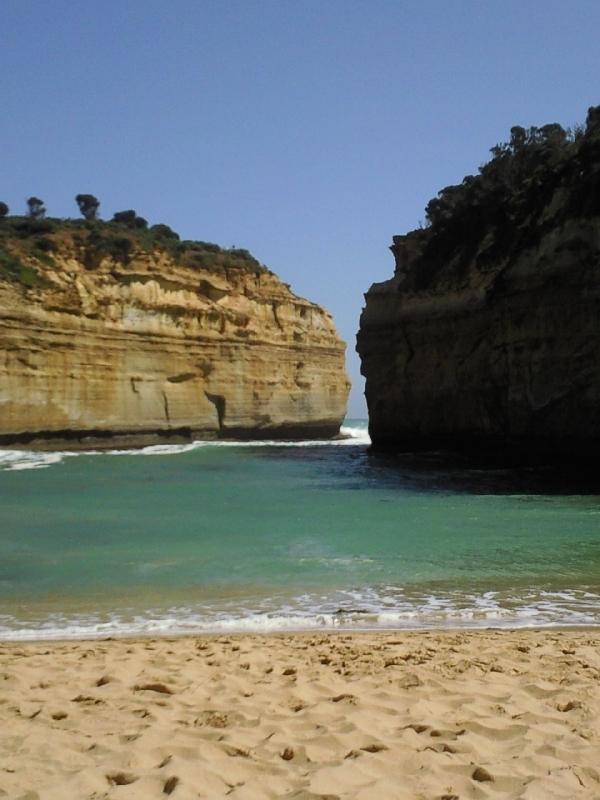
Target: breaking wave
{"points": [[353, 434], [366, 610]]}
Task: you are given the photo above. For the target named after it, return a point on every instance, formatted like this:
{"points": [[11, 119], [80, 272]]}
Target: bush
{"points": [[119, 248], [99, 245], [499, 211], [163, 232], [88, 205], [124, 217], [25, 227], [95, 240], [36, 208], [209, 247], [198, 259], [130, 219], [44, 244], [244, 255], [12, 269]]}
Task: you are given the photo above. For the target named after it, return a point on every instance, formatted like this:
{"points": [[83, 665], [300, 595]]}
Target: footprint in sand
{"points": [[570, 706], [143, 713], [417, 728], [29, 710], [214, 719], [374, 748], [410, 681], [349, 698], [121, 778], [170, 784], [87, 700], [236, 752], [441, 748], [160, 688], [481, 775]]}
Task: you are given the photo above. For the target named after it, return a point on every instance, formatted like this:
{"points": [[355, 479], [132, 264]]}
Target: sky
{"points": [[307, 131]]}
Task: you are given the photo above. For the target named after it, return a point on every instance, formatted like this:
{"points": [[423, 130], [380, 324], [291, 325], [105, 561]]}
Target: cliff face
{"points": [[144, 347], [488, 335]]}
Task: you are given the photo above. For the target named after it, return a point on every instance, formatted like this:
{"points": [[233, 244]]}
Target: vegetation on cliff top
{"points": [[26, 242], [538, 180]]}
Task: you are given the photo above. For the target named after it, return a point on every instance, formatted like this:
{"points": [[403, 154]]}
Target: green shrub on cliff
{"points": [[129, 219], [88, 205], [27, 227], [101, 243], [538, 179], [206, 255], [12, 269], [163, 232], [44, 244], [36, 208], [22, 240], [93, 241]]}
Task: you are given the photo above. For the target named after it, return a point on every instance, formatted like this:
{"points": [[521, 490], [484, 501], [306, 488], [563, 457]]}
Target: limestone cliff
{"points": [[128, 344], [488, 334]]}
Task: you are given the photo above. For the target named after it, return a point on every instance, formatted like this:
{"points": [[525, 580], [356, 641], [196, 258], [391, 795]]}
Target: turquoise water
{"points": [[265, 536]]}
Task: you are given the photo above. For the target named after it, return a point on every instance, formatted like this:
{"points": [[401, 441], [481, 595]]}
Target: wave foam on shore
{"points": [[365, 610], [353, 435]]}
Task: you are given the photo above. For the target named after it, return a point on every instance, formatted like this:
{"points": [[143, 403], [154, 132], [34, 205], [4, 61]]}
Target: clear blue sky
{"points": [[308, 131]]}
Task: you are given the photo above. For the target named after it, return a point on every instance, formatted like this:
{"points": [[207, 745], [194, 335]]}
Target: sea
{"points": [[285, 536]]}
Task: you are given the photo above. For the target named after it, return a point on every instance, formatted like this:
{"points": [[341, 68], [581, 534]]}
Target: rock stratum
{"points": [[106, 339], [487, 336]]}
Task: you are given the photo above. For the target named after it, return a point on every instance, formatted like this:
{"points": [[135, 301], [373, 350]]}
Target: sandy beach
{"points": [[498, 714]]}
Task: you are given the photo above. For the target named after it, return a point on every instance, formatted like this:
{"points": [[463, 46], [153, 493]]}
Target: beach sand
{"points": [[456, 714]]}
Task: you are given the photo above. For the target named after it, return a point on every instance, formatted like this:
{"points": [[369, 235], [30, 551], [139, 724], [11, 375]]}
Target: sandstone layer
{"points": [[509, 357], [487, 336], [133, 350]]}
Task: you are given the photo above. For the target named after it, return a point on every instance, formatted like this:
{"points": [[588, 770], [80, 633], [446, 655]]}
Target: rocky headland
{"points": [[487, 337], [115, 334]]}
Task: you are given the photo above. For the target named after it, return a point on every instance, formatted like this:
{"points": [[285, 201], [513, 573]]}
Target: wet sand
{"points": [[432, 715]]}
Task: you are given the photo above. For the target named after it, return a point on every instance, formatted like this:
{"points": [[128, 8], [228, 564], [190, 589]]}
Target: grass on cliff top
{"points": [[92, 241]]}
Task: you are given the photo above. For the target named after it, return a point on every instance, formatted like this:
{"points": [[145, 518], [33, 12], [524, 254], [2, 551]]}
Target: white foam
{"points": [[31, 459], [356, 434], [356, 610]]}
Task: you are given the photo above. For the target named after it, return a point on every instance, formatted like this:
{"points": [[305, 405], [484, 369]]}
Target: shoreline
{"points": [[397, 714], [141, 636]]}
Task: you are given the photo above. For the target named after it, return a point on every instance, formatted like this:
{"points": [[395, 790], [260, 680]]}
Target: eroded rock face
{"points": [[154, 349], [506, 354], [488, 335]]}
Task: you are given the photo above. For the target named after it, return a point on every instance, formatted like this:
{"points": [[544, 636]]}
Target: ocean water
{"points": [[262, 536]]}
